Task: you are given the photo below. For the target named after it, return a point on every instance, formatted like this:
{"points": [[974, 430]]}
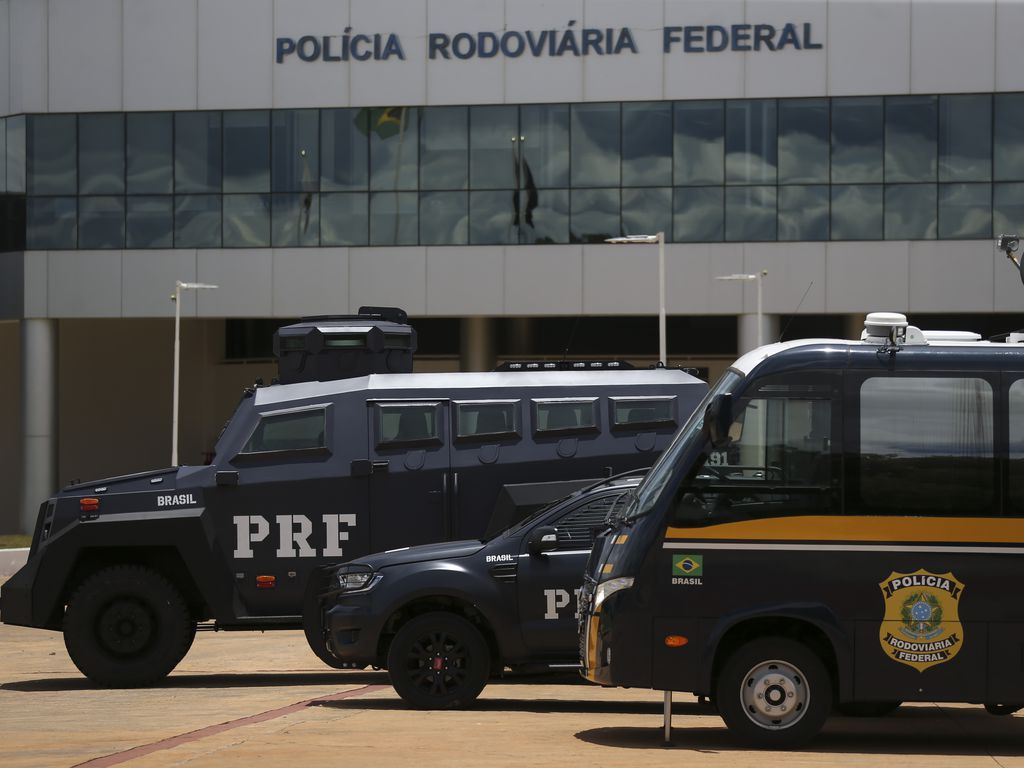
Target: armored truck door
{"points": [[410, 483]]}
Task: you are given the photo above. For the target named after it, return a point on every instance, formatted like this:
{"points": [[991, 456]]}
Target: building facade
{"points": [[467, 159]]}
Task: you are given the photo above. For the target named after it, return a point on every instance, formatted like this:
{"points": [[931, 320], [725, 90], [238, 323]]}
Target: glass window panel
{"points": [[965, 211], [1008, 208], [490, 218], [486, 419], [288, 432], [394, 147], [197, 221], [408, 423], [803, 141], [1016, 463], [751, 146], [149, 136], [247, 151], [596, 136], [856, 140], [750, 213], [444, 218], [550, 219], [101, 154], [149, 222], [564, 415], [444, 148], [646, 144], [595, 215], [246, 221], [545, 132], [910, 211], [803, 212], [857, 212], [345, 150], [492, 154], [3, 155], [1008, 149], [394, 218], [16, 154], [965, 138], [51, 223], [344, 219], [294, 220], [698, 215], [101, 222], [647, 211], [51, 155], [197, 155], [911, 138], [295, 150], [699, 143]]}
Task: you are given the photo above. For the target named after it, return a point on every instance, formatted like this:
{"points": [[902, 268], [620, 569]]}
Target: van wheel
{"points": [[438, 661], [774, 693], [127, 626], [868, 708]]}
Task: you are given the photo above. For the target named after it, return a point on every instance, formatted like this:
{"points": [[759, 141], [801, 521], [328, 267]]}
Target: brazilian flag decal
{"points": [[687, 565]]}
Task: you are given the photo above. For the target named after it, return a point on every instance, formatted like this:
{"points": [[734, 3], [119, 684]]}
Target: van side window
{"points": [[407, 423], [643, 411], [565, 415], [576, 529], [292, 431], [926, 446], [492, 419], [1015, 495]]}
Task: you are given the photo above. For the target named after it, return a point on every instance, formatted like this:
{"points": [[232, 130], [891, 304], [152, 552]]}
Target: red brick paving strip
{"points": [[212, 730]]}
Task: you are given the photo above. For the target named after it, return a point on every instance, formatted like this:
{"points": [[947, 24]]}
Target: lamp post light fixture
{"points": [[757, 279], [658, 238], [176, 298]]}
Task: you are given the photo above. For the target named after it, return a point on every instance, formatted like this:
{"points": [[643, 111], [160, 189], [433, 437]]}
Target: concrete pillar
{"points": [[39, 416], [476, 344], [746, 331], [520, 332], [853, 325]]}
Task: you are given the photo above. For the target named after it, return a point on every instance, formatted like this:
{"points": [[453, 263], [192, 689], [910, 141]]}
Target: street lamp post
{"points": [[658, 238], [176, 298], [757, 279]]}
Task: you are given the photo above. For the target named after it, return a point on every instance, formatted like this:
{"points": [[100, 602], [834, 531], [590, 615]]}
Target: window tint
{"points": [[644, 410], [486, 419], [926, 446], [576, 529], [407, 423], [565, 415], [294, 431], [1015, 494]]}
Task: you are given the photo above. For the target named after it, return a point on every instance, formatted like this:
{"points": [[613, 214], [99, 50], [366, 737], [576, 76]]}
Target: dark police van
{"points": [[338, 460], [442, 618], [841, 523]]}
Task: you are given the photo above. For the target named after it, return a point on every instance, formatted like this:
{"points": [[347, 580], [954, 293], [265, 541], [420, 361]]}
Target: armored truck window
{"points": [[1015, 403], [292, 431], [407, 423], [492, 419], [576, 529], [926, 446], [565, 415], [643, 411]]}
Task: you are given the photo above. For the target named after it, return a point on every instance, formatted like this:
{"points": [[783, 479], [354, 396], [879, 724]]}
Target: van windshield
{"points": [[646, 496]]}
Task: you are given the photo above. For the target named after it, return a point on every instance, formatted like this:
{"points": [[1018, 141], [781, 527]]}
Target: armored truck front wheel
{"points": [[127, 626], [438, 661]]}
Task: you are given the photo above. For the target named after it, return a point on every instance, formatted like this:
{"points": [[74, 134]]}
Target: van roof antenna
{"points": [[572, 335], [798, 304]]}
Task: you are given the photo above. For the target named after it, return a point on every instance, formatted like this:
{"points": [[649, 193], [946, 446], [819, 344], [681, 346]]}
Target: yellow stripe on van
{"points": [[622, 538], [860, 528]]}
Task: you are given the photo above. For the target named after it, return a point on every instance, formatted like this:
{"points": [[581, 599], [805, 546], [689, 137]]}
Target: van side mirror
{"points": [[718, 419], [543, 538]]}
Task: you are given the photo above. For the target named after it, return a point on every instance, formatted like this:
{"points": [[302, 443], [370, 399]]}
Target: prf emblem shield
{"points": [[921, 626]]}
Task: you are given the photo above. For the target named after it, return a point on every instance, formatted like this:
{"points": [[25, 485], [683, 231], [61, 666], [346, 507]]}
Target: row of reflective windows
{"points": [[898, 167]]}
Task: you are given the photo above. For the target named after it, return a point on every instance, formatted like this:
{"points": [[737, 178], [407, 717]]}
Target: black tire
{"points": [[127, 627], [868, 708], [438, 661], [774, 693]]}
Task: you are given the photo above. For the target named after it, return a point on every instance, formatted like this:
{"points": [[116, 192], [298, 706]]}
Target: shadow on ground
{"points": [[239, 680]]}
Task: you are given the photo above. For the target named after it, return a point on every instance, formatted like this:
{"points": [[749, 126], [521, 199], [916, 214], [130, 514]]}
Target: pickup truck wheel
{"points": [[127, 626], [438, 661], [775, 693]]}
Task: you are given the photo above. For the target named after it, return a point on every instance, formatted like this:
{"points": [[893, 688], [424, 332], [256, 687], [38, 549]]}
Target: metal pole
{"points": [[177, 356], [668, 717], [662, 348]]}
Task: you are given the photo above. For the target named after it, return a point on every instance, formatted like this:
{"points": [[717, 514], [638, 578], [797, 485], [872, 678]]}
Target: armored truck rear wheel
{"points": [[127, 626], [438, 661]]}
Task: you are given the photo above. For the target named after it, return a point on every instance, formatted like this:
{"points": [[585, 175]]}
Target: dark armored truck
{"points": [[319, 469]]}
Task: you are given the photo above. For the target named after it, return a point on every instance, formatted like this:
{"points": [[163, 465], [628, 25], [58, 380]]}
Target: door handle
{"points": [[380, 466]]}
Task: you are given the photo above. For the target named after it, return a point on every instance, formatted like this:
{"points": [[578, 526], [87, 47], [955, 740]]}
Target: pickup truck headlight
{"points": [[608, 588], [356, 578]]}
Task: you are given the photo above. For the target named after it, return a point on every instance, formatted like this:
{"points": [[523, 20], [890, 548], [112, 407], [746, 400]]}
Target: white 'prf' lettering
{"points": [[248, 529], [291, 542], [335, 535], [556, 599]]}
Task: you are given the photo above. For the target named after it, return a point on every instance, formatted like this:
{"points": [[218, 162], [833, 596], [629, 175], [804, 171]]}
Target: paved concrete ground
{"points": [[11, 560], [245, 699]]}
